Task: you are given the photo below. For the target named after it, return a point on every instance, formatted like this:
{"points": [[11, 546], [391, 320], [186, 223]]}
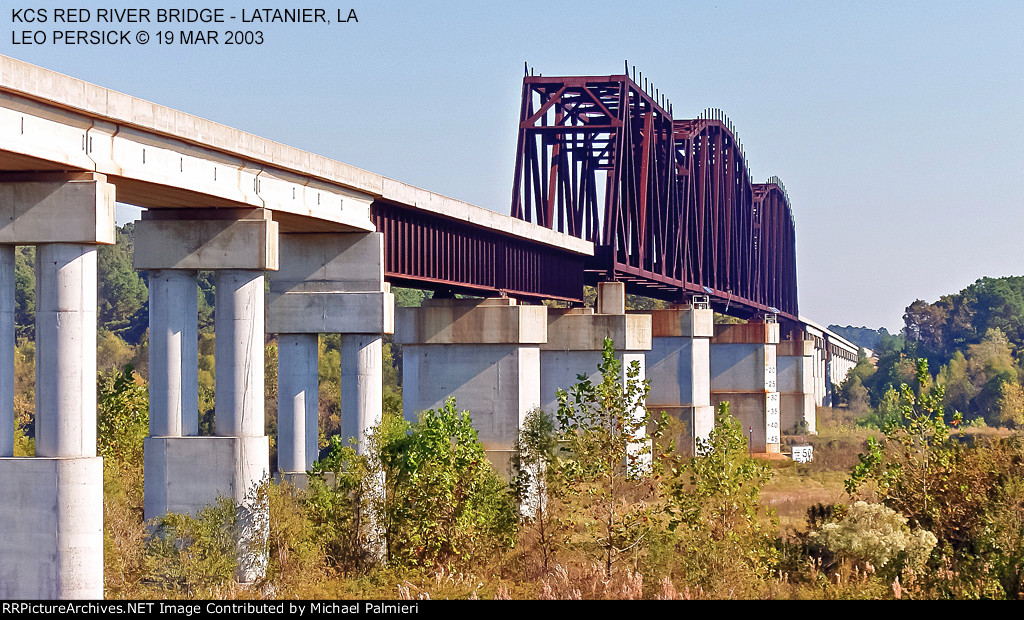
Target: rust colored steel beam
{"points": [[429, 251]]}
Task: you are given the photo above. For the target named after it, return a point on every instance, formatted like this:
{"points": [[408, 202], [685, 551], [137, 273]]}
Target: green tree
{"points": [[122, 422], [714, 510], [540, 487], [121, 293], [1010, 405], [970, 497], [603, 427], [25, 292]]}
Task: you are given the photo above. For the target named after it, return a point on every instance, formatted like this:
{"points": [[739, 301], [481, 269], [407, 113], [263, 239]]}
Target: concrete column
{"points": [[65, 350], [362, 386], [173, 353], [796, 385], [679, 369], [7, 305], [744, 373], [297, 402], [238, 353], [484, 353]]}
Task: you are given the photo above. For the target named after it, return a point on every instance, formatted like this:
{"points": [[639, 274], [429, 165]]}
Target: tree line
{"points": [[973, 339]]}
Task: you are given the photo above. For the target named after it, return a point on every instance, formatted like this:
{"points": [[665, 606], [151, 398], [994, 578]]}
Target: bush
{"points": [[195, 556], [341, 496], [875, 535], [444, 504]]}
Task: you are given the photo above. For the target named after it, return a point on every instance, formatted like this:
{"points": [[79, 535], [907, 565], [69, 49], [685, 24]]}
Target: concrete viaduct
{"points": [[331, 238]]}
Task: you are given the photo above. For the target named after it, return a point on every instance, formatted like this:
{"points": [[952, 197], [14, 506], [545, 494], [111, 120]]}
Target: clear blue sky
{"points": [[898, 128]]}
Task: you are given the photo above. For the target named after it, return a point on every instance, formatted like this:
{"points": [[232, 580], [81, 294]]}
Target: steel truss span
{"points": [[669, 205]]}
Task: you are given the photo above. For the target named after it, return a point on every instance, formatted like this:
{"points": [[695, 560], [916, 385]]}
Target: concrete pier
{"points": [[483, 352], [796, 359], [744, 372], [52, 511], [183, 472], [575, 345], [328, 283], [679, 369]]}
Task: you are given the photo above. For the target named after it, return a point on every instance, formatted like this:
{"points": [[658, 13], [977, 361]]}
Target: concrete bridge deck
{"points": [[161, 157]]}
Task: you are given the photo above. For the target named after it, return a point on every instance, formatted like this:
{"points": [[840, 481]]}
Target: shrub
{"points": [[721, 545], [195, 556], [875, 535], [443, 503]]}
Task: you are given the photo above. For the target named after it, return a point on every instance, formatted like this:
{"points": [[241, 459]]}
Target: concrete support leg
{"points": [[7, 305], [744, 374], [238, 326], [65, 350], [679, 369], [51, 544], [173, 354], [297, 402], [362, 386], [575, 344], [239, 405], [186, 473], [334, 283]]}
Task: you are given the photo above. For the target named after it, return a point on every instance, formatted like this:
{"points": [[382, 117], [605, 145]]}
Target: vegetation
{"points": [[601, 505], [974, 338]]}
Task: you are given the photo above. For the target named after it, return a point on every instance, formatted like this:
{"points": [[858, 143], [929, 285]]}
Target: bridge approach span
{"points": [[160, 158]]}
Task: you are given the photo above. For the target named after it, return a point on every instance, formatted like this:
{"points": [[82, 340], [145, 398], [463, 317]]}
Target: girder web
{"points": [[669, 205]]}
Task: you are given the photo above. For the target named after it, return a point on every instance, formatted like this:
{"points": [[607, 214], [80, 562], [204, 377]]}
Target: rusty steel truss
{"points": [[669, 205]]}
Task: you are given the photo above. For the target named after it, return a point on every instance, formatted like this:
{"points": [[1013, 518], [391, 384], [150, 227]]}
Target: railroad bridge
{"points": [[608, 190]]}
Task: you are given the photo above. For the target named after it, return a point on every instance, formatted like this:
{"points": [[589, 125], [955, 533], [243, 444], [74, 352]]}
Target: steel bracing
{"points": [[669, 205]]}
